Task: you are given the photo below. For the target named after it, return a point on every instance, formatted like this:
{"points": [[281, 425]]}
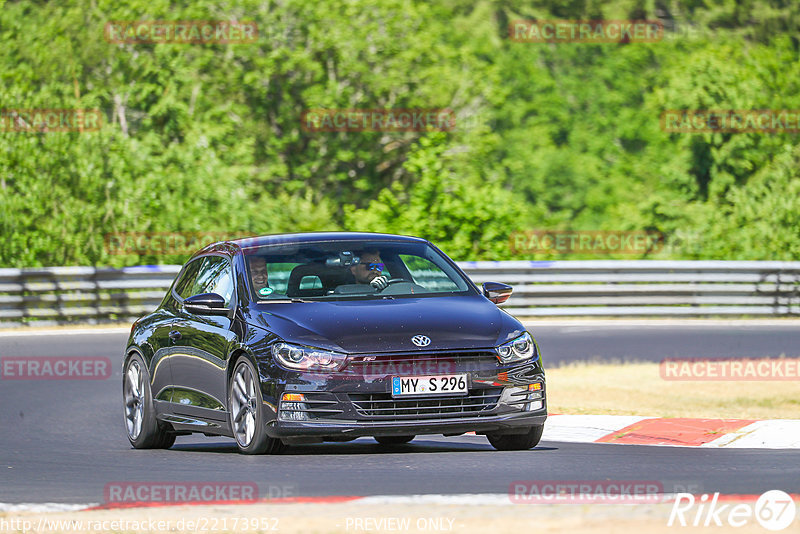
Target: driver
{"points": [[368, 270], [258, 275]]}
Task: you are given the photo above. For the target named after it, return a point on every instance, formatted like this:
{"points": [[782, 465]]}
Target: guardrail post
{"points": [[23, 293], [97, 299], [793, 295]]}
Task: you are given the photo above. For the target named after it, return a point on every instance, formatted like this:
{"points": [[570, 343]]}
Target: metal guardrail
{"points": [[62, 295], [59, 295], [646, 287]]}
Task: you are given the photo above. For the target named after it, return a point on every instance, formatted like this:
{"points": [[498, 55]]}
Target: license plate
{"points": [[429, 385]]}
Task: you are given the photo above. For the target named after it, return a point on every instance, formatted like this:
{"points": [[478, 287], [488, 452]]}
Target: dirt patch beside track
{"points": [[357, 517]]}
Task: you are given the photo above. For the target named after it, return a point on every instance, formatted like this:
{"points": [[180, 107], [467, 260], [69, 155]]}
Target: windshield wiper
{"points": [[292, 299]]}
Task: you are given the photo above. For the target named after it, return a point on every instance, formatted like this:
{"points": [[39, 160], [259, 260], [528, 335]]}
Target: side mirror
{"points": [[206, 304], [497, 292]]}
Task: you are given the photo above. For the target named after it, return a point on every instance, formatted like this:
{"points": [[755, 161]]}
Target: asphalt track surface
{"points": [[63, 441], [564, 342]]}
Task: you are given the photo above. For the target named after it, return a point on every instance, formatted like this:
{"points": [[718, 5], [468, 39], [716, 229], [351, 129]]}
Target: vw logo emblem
{"points": [[421, 341]]}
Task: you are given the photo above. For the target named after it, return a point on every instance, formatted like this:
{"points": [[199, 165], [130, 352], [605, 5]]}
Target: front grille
{"points": [[422, 363], [383, 406]]}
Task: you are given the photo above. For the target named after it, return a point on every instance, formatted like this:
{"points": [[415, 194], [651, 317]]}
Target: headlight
{"points": [[518, 349], [305, 358]]}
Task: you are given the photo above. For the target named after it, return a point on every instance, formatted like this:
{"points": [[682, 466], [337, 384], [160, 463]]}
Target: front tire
{"points": [[143, 429], [517, 442], [247, 413]]}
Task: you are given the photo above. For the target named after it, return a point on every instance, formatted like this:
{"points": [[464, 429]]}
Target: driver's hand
{"points": [[379, 282]]}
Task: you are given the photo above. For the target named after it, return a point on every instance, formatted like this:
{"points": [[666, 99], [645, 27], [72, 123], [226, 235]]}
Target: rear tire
{"points": [[247, 412], [393, 440], [168, 441], [517, 442], [143, 429]]}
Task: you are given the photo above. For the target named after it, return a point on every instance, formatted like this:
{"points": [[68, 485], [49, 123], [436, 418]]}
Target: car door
{"points": [[162, 337], [202, 342]]}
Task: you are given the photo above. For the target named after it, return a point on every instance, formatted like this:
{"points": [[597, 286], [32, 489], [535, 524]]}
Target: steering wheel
{"points": [[393, 281]]}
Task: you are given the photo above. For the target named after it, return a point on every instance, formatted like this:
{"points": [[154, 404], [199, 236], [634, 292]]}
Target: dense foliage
{"points": [[549, 136]]}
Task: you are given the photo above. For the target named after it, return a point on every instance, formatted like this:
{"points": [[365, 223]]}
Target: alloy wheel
{"points": [[244, 405], [134, 400]]}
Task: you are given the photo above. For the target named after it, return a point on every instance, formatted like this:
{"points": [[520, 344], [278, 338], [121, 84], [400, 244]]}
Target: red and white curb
{"points": [[679, 432]]}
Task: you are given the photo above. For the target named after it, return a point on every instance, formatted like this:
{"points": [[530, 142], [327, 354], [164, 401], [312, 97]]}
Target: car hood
{"points": [[359, 326]]}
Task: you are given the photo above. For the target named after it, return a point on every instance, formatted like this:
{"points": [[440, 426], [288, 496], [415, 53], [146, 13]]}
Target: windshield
{"points": [[340, 270]]}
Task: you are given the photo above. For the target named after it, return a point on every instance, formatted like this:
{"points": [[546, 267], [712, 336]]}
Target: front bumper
{"points": [[500, 399], [297, 431]]}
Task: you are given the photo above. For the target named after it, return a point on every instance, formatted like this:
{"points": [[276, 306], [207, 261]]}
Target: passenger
{"points": [[258, 275]]}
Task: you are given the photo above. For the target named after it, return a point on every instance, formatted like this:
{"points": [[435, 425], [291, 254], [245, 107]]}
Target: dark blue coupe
{"points": [[304, 338]]}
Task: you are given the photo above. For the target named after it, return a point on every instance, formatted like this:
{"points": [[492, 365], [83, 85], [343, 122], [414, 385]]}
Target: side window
{"points": [[215, 276], [223, 285], [184, 286], [279, 276]]}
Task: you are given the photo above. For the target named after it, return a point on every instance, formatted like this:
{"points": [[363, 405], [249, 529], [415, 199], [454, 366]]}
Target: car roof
{"points": [[230, 248]]}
